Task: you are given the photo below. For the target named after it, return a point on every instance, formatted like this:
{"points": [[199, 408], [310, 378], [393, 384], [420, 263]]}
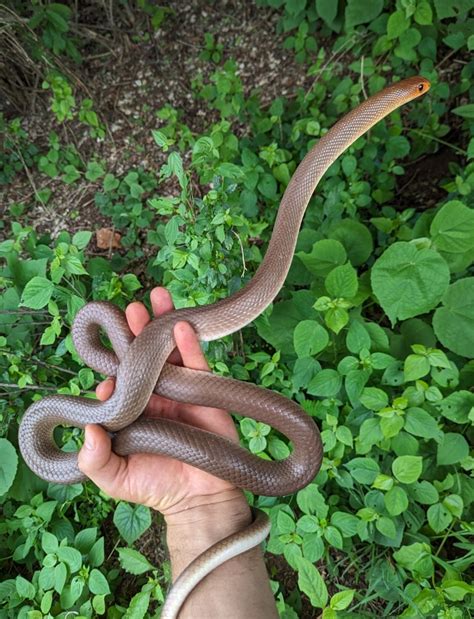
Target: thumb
{"points": [[97, 460]]}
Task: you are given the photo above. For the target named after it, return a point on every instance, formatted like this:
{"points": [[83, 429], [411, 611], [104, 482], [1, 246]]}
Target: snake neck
{"points": [[230, 314]]}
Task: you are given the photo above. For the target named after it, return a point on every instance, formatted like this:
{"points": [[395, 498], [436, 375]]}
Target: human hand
{"points": [[160, 482]]}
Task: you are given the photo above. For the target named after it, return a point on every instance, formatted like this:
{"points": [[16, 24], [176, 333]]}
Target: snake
{"points": [[140, 367]]}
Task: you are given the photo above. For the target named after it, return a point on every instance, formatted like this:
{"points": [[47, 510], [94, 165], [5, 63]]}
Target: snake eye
{"points": [[421, 87]]}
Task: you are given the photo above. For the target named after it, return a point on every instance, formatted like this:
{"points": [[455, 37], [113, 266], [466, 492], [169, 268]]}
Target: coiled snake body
{"points": [[140, 367]]}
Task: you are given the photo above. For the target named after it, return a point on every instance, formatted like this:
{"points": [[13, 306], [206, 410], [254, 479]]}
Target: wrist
{"points": [[197, 523]]}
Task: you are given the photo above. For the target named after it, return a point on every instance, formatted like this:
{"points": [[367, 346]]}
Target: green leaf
{"points": [[423, 13], [342, 281], [397, 24], [131, 522], [454, 322], [309, 338], [396, 501], [361, 13], [138, 606], [81, 239], [8, 465], [452, 449], [415, 367], [452, 228], [386, 526], [326, 383], [327, 10], [407, 469], [37, 293], [24, 588], [342, 599], [133, 561], [110, 182], [98, 583], [416, 558], [374, 399], [324, 256], [439, 518], [71, 557], [466, 111], [336, 319], [357, 337], [363, 470], [409, 281], [311, 583], [355, 237], [94, 171], [311, 501], [420, 423], [457, 406]]}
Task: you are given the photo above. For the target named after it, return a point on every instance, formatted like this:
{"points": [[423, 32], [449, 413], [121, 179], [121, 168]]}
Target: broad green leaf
{"points": [[424, 492], [309, 338], [408, 281], [457, 406], [131, 522], [452, 228], [452, 449], [37, 293], [454, 322], [327, 10], [420, 423], [8, 465], [324, 256], [363, 470], [374, 399], [355, 237], [415, 367], [326, 383], [361, 13], [94, 171], [407, 469]]}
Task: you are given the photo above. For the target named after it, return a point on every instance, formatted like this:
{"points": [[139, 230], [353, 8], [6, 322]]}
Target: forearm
{"points": [[239, 588]]}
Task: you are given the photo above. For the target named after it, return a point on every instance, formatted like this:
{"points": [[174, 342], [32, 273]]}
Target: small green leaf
{"points": [[342, 599], [342, 282], [98, 583], [396, 501], [415, 367], [133, 561], [131, 522], [407, 469]]}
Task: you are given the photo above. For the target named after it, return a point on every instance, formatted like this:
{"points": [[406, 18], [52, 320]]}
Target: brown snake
{"points": [[140, 367]]}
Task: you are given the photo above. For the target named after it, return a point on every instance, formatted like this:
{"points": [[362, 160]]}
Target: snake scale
{"points": [[139, 365]]}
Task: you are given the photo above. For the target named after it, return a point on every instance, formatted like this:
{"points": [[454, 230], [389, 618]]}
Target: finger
{"points": [[161, 301], [137, 317], [97, 460], [189, 347], [105, 389]]}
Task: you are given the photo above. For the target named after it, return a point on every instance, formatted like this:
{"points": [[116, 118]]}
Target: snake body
{"points": [[140, 367]]}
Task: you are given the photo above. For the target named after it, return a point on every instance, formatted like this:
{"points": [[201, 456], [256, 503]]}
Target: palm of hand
{"points": [[157, 481]]}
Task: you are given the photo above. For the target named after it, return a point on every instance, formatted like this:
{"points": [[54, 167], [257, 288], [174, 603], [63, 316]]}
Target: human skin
{"points": [[199, 509]]}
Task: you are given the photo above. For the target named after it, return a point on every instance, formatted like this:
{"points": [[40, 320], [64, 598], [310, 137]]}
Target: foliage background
{"points": [[186, 158]]}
